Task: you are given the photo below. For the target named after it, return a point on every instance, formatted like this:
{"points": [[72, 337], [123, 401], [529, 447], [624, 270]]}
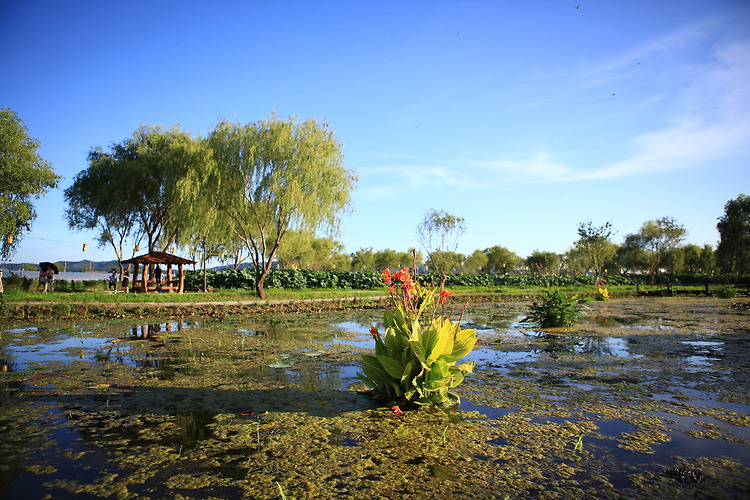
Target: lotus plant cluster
{"points": [[415, 360]]}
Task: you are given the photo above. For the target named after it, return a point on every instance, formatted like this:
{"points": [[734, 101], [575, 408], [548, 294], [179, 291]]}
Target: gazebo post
{"points": [[135, 276], [145, 283], [169, 277], [182, 278]]}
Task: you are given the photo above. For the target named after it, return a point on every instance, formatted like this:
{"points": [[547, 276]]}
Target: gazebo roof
{"points": [[158, 258]]}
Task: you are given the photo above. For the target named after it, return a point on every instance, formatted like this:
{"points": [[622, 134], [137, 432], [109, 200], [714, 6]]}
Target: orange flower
{"points": [[403, 276], [444, 294], [374, 332], [386, 276]]}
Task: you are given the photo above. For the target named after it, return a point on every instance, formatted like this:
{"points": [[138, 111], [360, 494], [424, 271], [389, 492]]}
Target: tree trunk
{"points": [[259, 291]]}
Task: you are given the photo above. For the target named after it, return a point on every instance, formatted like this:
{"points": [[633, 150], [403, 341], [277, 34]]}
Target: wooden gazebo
{"points": [[147, 282]]}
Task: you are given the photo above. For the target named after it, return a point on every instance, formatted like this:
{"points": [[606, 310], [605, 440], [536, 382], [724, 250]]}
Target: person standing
{"points": [[126, 279], [42, 281], [50, 281], [1, 281]]}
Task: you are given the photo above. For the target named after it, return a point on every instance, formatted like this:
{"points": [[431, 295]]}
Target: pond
{"points": [[645, 398]]}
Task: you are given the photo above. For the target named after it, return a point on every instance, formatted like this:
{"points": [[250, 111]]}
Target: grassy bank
{"points": [[18, 304]]}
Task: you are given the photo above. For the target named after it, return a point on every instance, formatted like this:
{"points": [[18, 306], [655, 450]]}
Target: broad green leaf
{"points": [[419, 352], [462, 345], [391, 366], [444, 337]]}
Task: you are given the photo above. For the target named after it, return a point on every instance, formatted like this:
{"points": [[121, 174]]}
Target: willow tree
{"points": [[131, 190], [273, 176], [24, 176]]}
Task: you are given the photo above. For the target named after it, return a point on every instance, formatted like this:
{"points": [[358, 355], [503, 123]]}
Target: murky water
{"points": [[645, 398]]}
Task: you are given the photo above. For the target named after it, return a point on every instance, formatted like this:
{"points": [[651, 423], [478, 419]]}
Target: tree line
{"points": [[271, 193]]}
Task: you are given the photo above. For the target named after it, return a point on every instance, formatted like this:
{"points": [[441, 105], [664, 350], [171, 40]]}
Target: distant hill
{"points": [[71, 267]]}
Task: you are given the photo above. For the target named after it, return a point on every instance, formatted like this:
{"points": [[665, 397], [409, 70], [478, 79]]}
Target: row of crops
{"points": [[298, 279]]}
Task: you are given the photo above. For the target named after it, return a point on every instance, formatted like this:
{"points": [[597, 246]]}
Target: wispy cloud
{"points": [[695, 119], [708, 119]]}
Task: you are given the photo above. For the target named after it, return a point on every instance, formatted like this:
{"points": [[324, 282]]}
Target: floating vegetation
{"points": [[197, 409]]}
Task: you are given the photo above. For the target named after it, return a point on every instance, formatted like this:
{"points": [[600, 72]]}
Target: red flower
{"points": [[375, 333], [397, 410], [444, 294]]}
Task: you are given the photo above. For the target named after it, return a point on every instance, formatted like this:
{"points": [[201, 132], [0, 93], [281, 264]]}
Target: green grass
{"points": [[16, 295], [80, 295]]}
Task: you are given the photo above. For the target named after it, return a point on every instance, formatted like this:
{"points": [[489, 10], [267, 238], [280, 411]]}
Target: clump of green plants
{"points": [[415, 361], [726, 292], [554, 309]]}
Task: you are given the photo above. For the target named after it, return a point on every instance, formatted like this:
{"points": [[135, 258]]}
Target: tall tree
{"points": [[275, 175], [445, 262], [158, 163], [630, 256], [595, 245], [501, 260], [302, 250], [132, 189], [733, 251], [698, 259], [438, 233], [476, 262], [657, 238], [543, 262], [93, 203], [24, 177], [363, 260]]}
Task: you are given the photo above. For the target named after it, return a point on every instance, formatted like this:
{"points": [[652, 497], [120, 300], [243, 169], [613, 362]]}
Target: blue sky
{"points": [[523, 117]]}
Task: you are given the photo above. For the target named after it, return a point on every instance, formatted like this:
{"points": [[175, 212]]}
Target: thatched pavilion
{"points": [[147, 282]]}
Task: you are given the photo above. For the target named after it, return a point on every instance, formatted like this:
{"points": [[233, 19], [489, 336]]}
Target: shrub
{"points": [[554, 309], [726, 292]]}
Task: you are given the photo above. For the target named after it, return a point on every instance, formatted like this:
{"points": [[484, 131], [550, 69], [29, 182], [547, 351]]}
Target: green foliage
{"points": [[273, 176], [656, 239], [415, 361], [500, 260], [733, 251], [133, 188], [726, 292], [554, 309], [543, 262], [24, 176], [244, 279], [594, 245]]}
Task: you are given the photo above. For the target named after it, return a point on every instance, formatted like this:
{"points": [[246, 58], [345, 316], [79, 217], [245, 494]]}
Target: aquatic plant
{"points": [[726, 292], [554, 309], [415, 360]]}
